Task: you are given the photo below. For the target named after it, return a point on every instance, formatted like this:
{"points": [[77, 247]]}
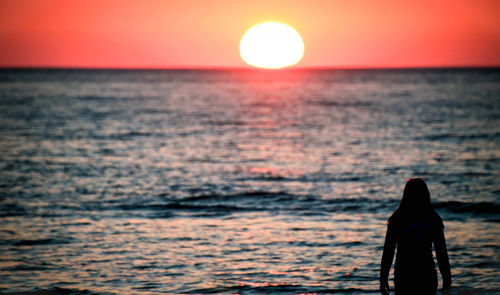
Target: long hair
{"points": [[416, 202]]}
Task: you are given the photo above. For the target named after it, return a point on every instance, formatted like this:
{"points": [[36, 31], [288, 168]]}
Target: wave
{"points": [[100, 98], [279, 288], [466, 207], [329, 103], [42, 242], [153, 111], [323, 179], [223, 204], [127, 135], [253, 201], [461, 137], [275, 174], [52, 291], [214, 203], [221, 123], [282, 196], [9, 210]]}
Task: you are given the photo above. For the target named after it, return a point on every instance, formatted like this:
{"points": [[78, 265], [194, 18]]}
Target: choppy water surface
{"points": [[142, 182]]}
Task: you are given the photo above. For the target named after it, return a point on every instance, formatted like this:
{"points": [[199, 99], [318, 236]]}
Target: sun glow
{"points": [[271, 46]]}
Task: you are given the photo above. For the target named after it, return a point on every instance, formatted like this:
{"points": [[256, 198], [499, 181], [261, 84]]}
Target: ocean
{"points": [[240, 181]]}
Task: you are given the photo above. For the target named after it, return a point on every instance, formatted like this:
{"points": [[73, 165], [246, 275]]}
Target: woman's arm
{"points": [[387, 256], [442, 258]]}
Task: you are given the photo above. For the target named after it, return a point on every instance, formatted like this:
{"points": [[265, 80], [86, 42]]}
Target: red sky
{"points": [[206, 33]]}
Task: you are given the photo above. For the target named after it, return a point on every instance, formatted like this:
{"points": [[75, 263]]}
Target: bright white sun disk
{"points": [[271, 46]]}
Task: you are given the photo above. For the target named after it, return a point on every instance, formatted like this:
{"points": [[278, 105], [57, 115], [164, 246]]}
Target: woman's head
{"points": [[416, 201], [416, 195]]}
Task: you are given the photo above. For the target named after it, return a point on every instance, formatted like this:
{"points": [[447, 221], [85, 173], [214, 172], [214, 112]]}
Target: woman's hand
{"points": [[446, 285], [384, 288]]}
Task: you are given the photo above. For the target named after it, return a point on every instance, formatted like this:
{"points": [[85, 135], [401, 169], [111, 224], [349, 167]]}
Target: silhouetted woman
{"points": [[412, 229]]}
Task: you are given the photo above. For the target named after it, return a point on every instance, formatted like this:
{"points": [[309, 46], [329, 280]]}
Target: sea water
{"points": [[240, 181]]}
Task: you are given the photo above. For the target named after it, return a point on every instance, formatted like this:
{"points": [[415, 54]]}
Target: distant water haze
{"points": [[255, 182]]}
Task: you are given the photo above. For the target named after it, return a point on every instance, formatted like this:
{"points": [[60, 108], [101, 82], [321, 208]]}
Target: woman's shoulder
{"points": [[436, 219], [431, 217]]}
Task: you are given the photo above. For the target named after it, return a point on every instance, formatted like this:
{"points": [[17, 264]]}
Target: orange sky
{"points": [[206, 33]]}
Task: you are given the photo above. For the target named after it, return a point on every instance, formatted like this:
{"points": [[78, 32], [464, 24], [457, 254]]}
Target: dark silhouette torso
{"points": [[414, 270], [413, 239]]}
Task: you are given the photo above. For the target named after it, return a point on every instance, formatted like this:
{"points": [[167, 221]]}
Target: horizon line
{"points": [[239, 68]]}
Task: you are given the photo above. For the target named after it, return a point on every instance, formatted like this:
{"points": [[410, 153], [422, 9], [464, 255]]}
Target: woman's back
{"points": [[414, 235], [413, 229], [414, 267]]}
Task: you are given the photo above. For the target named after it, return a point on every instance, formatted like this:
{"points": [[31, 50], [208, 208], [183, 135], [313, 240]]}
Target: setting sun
{"points": [[271, 46]]}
